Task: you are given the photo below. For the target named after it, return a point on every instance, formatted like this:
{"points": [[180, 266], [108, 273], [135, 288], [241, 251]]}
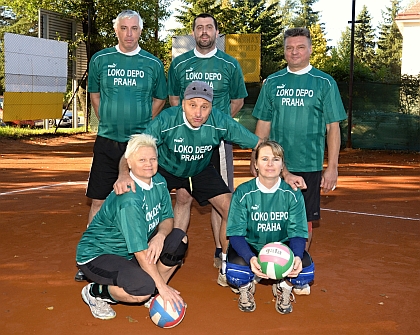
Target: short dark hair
{"points": [[203, 16], [294, 32]]}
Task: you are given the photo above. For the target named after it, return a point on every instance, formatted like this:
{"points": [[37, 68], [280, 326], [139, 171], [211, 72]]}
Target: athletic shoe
{"points": [[217, 262], [234, 289], [148, 302], [284, 299], [246, 302], [100, 309], [302, 290], [221, 280], [80, 276]]}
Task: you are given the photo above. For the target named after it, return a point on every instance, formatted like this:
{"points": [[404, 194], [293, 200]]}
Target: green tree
{"points": [[288, 12], [338, 65], [389, 51], [191, 8], [306, 16], [364, 38], [319, 47]]}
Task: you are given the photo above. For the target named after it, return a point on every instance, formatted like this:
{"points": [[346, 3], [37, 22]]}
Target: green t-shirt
{"points": [[264, 216], [220, 70], [127, 85], [299, 106], [125, 222], [185, 151]]}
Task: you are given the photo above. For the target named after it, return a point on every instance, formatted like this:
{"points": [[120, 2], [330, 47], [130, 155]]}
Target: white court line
{"points": [[369, 214], [42, 187], [324, 209]]}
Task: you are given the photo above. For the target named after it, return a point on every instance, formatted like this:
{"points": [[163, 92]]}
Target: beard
{"points": [[207, 44]]}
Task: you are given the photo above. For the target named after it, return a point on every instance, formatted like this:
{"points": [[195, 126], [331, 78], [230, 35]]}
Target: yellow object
{"points": [[32, 105], [246, 48]]}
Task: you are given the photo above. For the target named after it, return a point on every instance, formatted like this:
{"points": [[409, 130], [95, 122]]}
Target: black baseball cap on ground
{"points": [[199, 89]]}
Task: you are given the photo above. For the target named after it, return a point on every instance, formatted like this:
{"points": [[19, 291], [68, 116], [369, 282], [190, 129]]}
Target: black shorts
{"points": [[222, 159], [104, 171], [312, 195], [118, 271], [202, 187]]}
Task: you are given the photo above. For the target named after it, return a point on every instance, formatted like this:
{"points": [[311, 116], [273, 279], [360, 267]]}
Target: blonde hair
{"points": [[277, 149], [138, 141]]}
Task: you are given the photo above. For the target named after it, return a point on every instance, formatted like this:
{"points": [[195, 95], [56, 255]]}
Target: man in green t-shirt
{"points": [[300, 107], [224, 74], [127, 87], [186, 137]]}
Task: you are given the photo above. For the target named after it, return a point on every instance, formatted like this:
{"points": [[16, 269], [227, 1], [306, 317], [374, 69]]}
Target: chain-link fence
{"points": [[384, 117]]}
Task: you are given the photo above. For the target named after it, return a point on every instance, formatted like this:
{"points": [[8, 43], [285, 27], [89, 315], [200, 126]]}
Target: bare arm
{"points": [[156, 243], [262, 130], [167, 293], [157, 106], [94, 100], [174, 100], [330, 175], [235, 106]]}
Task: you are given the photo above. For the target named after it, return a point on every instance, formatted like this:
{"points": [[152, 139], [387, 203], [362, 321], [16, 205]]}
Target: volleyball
{"points": [[168, 318], [276, 260]]}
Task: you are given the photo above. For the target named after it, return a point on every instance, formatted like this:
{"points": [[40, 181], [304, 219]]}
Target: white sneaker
{"points": [[284, 299], [148, 302], [100, 309], [221, 280], [246, 302], [302, 290]]}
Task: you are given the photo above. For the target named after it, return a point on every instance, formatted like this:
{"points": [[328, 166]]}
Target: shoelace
{"points": [[102, 304], [245, 295]]}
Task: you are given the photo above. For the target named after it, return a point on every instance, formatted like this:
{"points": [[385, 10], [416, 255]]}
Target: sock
{"points": [[223, 269], [284, 285], [217, 252], [101, 291]]}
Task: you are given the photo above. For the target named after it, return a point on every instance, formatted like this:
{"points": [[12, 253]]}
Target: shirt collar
{"points": [[131, 53], [265, 189], [303, 71], [208, 55], [142, 184], [187, 123]]}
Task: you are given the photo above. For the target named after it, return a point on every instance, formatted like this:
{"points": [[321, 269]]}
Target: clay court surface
{"points": [[366, 251]]}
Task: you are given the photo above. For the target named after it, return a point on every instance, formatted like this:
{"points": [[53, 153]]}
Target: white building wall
{"points": [[410, 63]]}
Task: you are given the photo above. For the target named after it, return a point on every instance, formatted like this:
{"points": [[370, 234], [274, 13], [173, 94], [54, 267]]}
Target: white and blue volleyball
{"points": [[168, 318]]}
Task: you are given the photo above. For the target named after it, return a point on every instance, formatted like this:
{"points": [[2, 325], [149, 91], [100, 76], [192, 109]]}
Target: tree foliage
{"points": [[306, 16], [319, 47], [364, 38], [389, 51]]}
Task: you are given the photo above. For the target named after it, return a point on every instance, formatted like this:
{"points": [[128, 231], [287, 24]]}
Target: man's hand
{"points": [[329, 179], [124, 184], [294, 181], [155, 248], [171, 296]]}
